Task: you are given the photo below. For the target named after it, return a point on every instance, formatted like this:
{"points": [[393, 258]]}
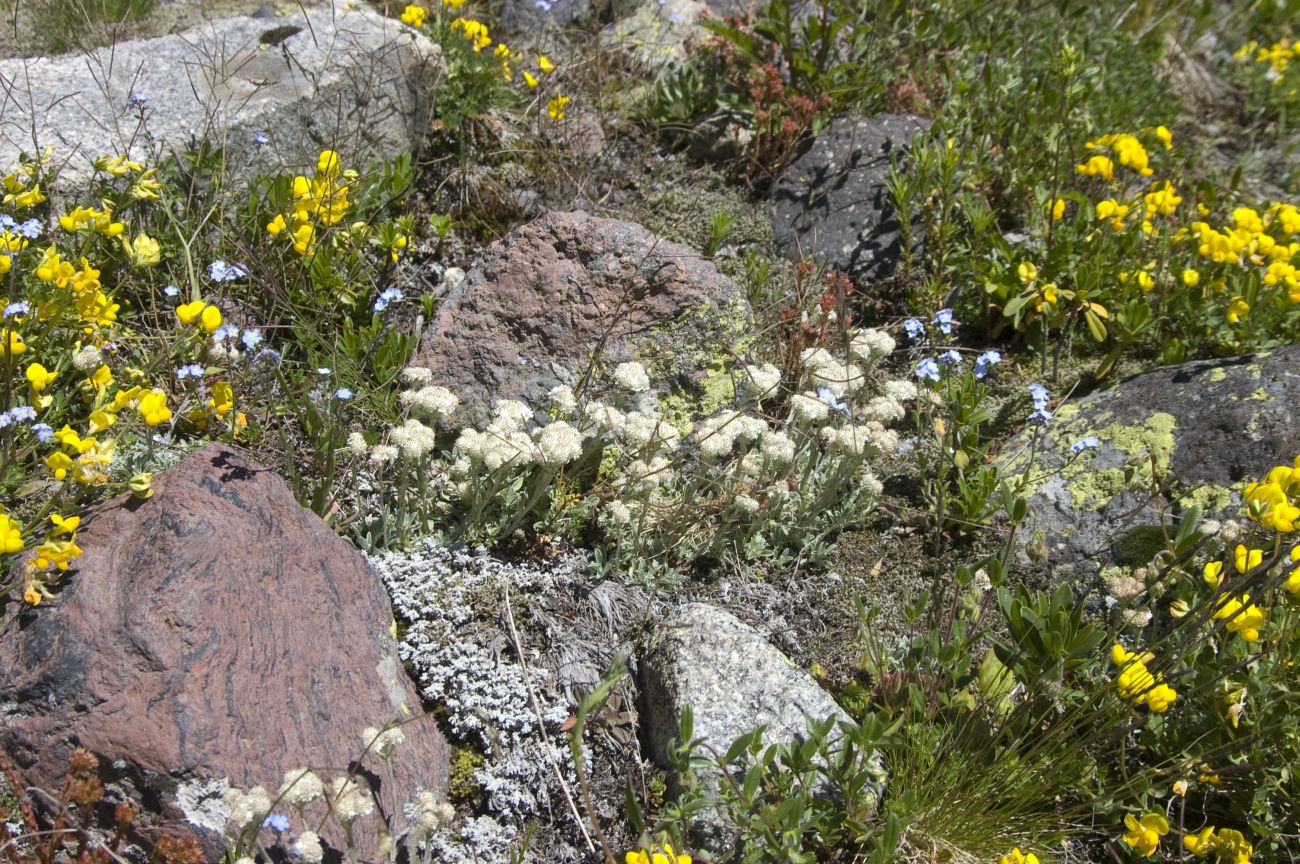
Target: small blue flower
{"points": [[928, 369], [1089, 442], [224, 332], [343, 394], [261, 139], [1040, 415], [190, 370], [276, 822], [915, 329], [825, 394], [951, 357], [1039, 394], [137, 100], [251, 338], [44, 433], [15, 310], [5, 420], [544, 5], [7, 221], [31, 229], [389, 295], [172, 291], [943, 320], [268, 355], [985, 362], [23, 414], [220, 271]]}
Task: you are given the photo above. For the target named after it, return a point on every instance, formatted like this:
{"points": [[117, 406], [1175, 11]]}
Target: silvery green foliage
{"points": [[464, 664]]}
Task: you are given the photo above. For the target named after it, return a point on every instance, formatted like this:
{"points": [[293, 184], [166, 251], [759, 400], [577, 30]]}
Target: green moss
{"points": [[1209, 498], [461, 785], [1139, 544]]}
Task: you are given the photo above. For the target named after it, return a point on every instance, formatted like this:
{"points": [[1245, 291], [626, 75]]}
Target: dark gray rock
{"points": [[832, 204], [569, 286], [272, 92], [531, 16], [1209, 426]]}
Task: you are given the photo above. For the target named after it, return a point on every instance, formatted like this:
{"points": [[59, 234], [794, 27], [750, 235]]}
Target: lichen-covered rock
{"points": [[531, 16], [273, 92], [1196, 433], [656, 31], [732, 679], [217, 634], [832, 203], [570, 288]]}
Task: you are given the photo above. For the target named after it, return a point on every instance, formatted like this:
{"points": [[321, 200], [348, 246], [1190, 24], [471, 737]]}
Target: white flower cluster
{"points": [[632, 376], [430, 400], [301, 786], [350, 800], [246, 808], [381, 742]]}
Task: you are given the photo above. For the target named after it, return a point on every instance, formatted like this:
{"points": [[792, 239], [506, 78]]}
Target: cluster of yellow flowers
{"points": [[1138, 683], [656, 855], [1278, 56], [321, 201], [1123, 148], [1018, 857], [415, 15], [1225, 845], [1274, 502], [22, 187], [1243, 617], [1270, 241], [52, 554]]}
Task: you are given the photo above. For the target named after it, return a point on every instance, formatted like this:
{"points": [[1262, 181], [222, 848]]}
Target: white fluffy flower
{"points": [[815, 359], [632, 376], [839, 378], [807, 406], [381, 453], [642, 475], [748, 427], [433, 400], [511, 415], [357, 445], [558, 443], [871, 484], [1136, 617], [764, 379], [246, 807], [301, 786], [308, 848], [431, 813], [381, 743], [350, 800], [417, 375], [617, 513], [901, 391], [717, 434], [87, 358], [777, 447], [882, 409], [746, 503], [562, 398], [413, 438], [605, 418], [871, 345]]}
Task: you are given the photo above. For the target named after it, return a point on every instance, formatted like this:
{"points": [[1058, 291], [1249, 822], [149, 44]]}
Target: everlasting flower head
{"points": [[632, 376], [307, 847]]}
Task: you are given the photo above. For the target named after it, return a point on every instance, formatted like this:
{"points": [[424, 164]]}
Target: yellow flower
{"points": [[64, 525], [277, 225], [1243, 617], [1191, 278], [144, 251], [1027, 272], [1135, 681], [1057, 209], [414, 15], [555, 108], [1293, 580], [39, 377], [1018, 857], [1246, 559], [11, 534], [656, 855], [117, 165], [153, 407], [1144, 834], [101, 377], [100, 420], [223, 399], [528, 79], [58, 462], [1180, 787], [188, 313], [544, 63], [1213, 574], [13, 343], [1236, 309], [55, 554], [1164, 136], [31, 596], [454, 4]]}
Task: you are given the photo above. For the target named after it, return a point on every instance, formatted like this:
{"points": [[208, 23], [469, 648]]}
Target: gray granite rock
{"points": [[531, 16], [274, 92], [832, 204], [1208, 427], [733, 680], [656, 33]]}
